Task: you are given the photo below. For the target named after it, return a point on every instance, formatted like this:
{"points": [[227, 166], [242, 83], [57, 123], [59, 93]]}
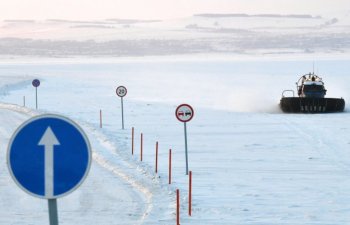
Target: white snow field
{"points": [[251, 163], [116, 192]]}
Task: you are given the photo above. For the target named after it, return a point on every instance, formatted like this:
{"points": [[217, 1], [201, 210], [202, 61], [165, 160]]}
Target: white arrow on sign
{"points": [[48, 140]]}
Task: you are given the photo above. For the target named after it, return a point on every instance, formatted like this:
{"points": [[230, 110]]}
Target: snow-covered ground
{"points": [[116, 192], [251, 164]]}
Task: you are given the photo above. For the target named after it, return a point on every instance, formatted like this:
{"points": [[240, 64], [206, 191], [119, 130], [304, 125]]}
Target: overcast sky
{"points": [[158, 9]]}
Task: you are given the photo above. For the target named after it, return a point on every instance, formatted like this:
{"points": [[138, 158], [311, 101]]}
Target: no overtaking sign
{"points": [[184, 112]]}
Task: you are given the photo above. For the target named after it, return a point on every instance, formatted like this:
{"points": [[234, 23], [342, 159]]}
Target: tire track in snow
{"points": [[321, 140], [157, 196]]}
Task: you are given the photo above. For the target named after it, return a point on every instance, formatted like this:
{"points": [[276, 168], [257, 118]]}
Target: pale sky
{"points": [[158, 9]]}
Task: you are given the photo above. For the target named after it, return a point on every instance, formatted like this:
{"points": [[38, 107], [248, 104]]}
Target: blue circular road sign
{"points": [[36, 83], [49, 156]]}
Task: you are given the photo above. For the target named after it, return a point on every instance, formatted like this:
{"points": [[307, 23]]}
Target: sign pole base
{"points": [[53, 214]]}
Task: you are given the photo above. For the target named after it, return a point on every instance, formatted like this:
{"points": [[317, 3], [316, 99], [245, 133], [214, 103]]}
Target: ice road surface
{"points": [[251, 164]]}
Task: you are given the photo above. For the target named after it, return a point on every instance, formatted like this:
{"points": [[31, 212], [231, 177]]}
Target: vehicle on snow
{"points": [[311, 97]]}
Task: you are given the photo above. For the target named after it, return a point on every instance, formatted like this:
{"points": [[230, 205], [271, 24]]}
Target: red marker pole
{"points": [[169, 166], [157, 157], [100, 118], [190, 195], [132, 141], [177, 207], [141, 146]]}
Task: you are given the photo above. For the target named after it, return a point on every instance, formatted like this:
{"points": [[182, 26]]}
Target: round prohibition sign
{"points": [[121, 91], [184, 113]]}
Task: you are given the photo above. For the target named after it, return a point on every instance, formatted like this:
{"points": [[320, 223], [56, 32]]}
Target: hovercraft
{"points": [[311, 92]]}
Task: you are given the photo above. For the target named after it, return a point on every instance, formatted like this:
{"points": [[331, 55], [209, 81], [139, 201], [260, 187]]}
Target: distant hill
{"points": [[19, 21], [218, 15]]}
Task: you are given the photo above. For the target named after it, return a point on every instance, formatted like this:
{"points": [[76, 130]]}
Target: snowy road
{"points": [[110, 195], [281, 169], [252, 165]]}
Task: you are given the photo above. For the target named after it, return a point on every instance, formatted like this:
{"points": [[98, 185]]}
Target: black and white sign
{"points": [[121, 91]]}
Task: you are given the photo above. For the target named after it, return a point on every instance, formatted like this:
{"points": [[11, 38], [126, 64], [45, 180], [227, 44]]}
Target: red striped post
{"points": [[177, 207], [132, 140], [169, 166], [100, 118], [141, 146], [157, 157], [190, 195]]}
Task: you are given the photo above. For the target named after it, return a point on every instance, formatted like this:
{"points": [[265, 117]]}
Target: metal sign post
{"points": [[53, 212], [184, 113], [36, 97], [121, 92], [42, 151], [36, 84], [185, 129], [121, 99]]}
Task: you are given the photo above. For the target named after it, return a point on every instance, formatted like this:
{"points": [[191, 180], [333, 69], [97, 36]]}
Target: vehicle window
{"points": [[313, 88]]}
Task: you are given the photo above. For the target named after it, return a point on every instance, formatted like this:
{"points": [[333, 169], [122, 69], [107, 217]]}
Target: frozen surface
{"points": [[251, 164]]}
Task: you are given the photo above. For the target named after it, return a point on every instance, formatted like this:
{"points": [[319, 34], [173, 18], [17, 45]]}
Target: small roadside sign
{"points": [[36, 83], [121, 91], [184, 112]]}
